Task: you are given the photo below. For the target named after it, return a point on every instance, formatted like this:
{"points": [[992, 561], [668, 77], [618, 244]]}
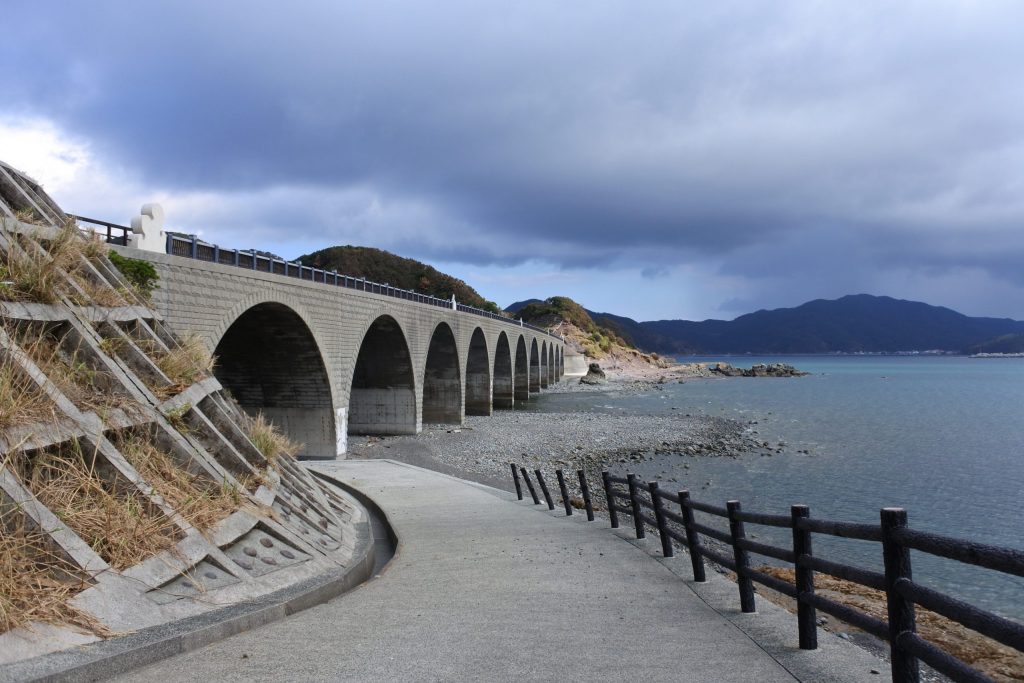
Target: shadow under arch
{"points": [[478, 376], [270, 362], [383, 395], [521, 383], [503, 386], [544, 366], [442, 381], [534, 368]]}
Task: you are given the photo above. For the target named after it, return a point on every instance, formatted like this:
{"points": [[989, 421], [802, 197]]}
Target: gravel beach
{"points": [[482, 448]]}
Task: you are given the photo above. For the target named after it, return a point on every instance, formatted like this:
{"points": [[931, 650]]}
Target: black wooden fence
{"points": [[650, 506]]}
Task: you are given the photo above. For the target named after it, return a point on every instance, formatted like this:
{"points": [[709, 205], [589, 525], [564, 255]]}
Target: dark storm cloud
{"points": [[786, 140]]}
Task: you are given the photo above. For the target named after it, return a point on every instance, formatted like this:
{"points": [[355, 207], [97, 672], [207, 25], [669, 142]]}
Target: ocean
{"points": [[942, 437]]}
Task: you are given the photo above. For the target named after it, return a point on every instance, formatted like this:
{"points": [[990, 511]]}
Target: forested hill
{"points": [[405, 273], [851, 324]]}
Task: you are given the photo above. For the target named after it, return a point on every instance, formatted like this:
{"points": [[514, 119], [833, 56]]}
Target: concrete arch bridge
{"points": [[323, 355]]}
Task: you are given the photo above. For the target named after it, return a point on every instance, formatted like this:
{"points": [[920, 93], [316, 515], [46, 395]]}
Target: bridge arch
{"points": [[478, 375], [383, 395], [521, 382], [534, 367], [503, 384], [270, 360], [442, 381], [552, 364]]}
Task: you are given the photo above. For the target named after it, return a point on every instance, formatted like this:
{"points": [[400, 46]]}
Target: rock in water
{"points": [[758, 370], [595, 375]]}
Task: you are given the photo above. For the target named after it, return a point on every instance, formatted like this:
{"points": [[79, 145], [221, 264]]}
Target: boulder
{"points": [[595, 375]]}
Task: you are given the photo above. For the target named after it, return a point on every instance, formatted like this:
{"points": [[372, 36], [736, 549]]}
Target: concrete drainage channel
{"points": [[377, 546]]}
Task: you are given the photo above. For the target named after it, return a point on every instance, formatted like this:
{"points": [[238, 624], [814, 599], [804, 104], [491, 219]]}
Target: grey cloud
{"points": [[820, 145]]}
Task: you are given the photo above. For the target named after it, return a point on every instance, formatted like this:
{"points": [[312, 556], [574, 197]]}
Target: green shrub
{"points": [[141, 274]]}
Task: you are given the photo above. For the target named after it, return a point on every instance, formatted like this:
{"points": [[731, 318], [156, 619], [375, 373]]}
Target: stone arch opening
{"points": [[544, 366], [383, 396], [551, 363], [521, 383], [561, 363], [503, 386], [478, 376], [534, 368], [270, 362], [442, 384]]}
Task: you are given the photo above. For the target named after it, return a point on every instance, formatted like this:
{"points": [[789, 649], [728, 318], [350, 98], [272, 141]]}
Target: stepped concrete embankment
{"points": [[485, 587]]}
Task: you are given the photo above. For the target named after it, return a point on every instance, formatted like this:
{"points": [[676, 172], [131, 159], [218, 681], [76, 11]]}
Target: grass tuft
{"points": [[22, 401], [186, 363], [269, 440], [198, 499], [37, 583], [69, 369], [119, 523]]}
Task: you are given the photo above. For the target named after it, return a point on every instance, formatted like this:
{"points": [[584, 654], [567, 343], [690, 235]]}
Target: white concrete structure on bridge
{"points": [[323, 361]]}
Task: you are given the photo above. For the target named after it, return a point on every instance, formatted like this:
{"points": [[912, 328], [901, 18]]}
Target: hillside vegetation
{"points": [[566, 317], [382, 266]]}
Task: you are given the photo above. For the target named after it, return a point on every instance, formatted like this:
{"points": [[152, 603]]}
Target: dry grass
{"points": [[196, 498], [36, 583], [186, 363], [41, 275], [122, 526], [22, 401], [1001, 663], [269, 440], [85, 386]]}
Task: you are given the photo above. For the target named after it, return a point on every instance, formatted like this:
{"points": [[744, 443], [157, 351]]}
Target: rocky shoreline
{"points": [[482, 447]]}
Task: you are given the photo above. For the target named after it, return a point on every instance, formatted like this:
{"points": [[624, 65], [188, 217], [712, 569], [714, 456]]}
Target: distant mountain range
{"points": [[858, 323]]}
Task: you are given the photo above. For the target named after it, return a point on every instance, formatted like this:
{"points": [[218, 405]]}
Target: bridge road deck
{"points": [[488, 588]]}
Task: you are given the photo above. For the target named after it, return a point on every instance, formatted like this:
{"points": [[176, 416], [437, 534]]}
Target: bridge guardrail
{"points": [[192, 247], [629, 496], [111, 228]]}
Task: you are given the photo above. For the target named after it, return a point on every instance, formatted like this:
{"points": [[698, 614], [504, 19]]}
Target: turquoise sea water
{"points": [[940, 436]]}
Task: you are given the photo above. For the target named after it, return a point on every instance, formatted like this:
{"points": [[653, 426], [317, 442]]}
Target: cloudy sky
{"points": [[655, 159]]}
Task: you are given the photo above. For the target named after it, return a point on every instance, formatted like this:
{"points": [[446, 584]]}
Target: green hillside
{"points": [[405, 273]]}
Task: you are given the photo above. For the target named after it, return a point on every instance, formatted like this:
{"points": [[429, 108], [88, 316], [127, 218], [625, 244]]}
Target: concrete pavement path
{"points": [[488, 588]]}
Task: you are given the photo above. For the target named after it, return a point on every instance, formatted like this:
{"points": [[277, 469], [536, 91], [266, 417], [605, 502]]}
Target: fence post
{"points": [[585, 490], [634, 502], [613, 515], [169, 248], [254, 260], [666, 542], [692, 538], [741, 557], [529, 485], [806, 615], [544, 488], [195, 246], [901, 611], [565, 492], [515, 478]]}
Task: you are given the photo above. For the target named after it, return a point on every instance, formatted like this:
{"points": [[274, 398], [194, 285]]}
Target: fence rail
{"points": [[629, 496], [193, 247], [116, 234]]}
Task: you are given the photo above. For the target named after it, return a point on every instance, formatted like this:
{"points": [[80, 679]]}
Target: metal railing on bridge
{"points": [[192, 247]]}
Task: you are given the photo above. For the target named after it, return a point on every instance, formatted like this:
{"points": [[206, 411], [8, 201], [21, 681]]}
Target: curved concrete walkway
{"points": [[488, 588]]}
